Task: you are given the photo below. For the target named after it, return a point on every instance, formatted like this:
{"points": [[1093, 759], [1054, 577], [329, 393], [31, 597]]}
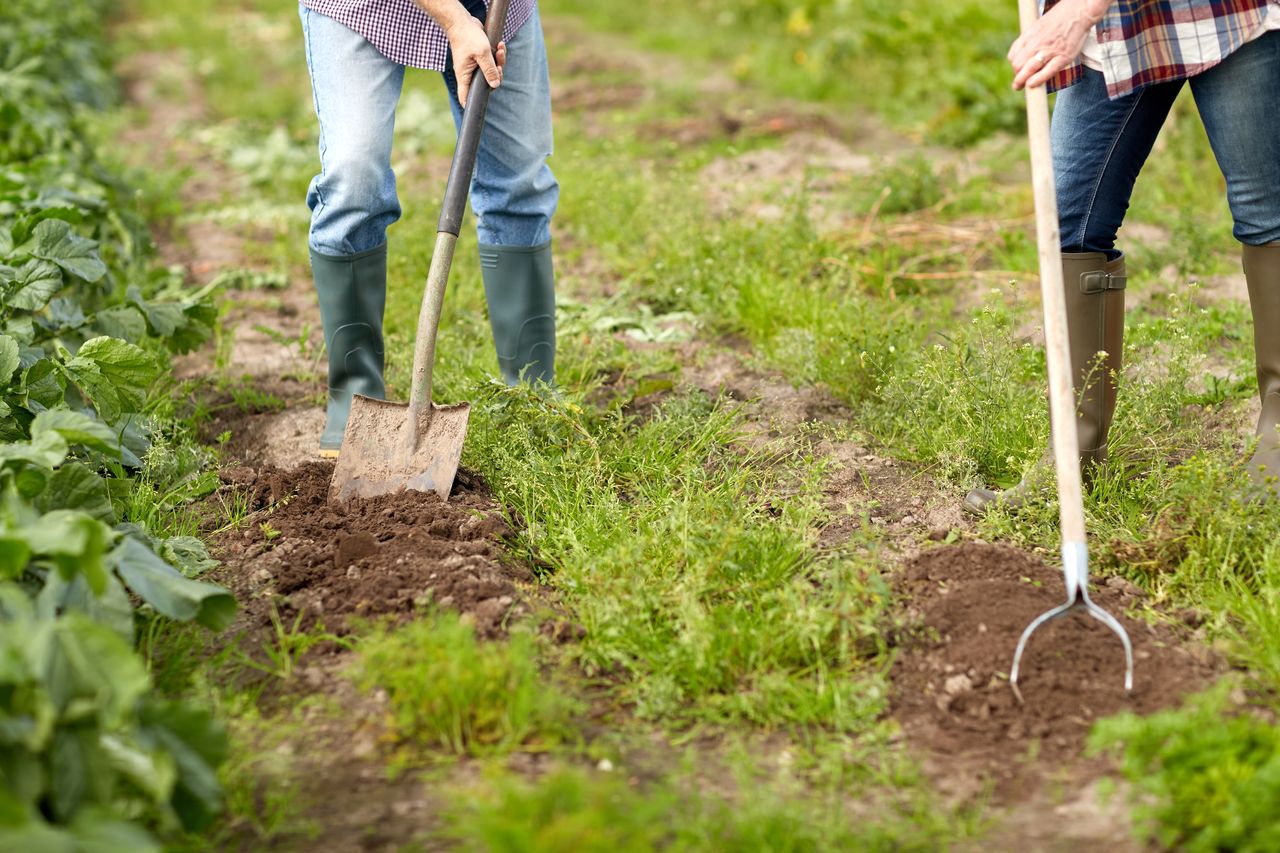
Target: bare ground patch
{"points": [[966, 606]]}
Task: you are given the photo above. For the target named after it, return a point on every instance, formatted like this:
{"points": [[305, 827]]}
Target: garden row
{"points": [[92, 465]]}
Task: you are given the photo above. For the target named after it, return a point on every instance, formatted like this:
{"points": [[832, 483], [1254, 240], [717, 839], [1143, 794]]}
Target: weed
{"points": [[288, 644], [1208, 774], [449, 691]]}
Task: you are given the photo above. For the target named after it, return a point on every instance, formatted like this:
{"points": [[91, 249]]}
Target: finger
{"points": [[489, 68], [502, 54], [1014, 49], [1045, 74], [1028, 68], [464, 82], [1023, 54]]}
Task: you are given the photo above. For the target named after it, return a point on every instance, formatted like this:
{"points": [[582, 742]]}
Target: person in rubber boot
{"points": [[1118, 66], [357, 52]]}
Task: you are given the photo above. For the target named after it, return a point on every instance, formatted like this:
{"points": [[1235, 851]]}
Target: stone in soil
{"points": [[968, 606], [390, 556]]}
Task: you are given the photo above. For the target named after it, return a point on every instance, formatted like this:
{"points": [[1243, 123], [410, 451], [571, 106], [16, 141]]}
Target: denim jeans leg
{"points": [[514, 193], [1099, 147], [353, 199], [1237, 100]]}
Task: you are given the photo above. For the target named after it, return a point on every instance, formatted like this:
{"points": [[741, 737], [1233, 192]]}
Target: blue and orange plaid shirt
{"points": [[1156, 41]]}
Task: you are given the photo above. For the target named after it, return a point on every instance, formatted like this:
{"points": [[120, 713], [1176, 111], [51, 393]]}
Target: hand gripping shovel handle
{"points": [[455, 203]]}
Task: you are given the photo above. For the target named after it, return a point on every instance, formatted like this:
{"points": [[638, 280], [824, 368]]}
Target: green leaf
{"points": [[189, 554], [96, 388], [22, 328], [9, 358], [64, 314], [100, 832], [112, 609], [47, 450], [44, 385], [198, 743], [55, 241], [15, 553], [75, 486], [75, 542], [165, 589], [36, 283], [123, 322], [6, 242], [201, 319], [31, 481], [164, 318], [77, 428], [101, 669], [37, 836], [152, 770], [114, 374], [71, 761]]}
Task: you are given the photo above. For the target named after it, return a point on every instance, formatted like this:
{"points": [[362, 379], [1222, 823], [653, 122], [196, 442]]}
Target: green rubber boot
{"points": [[353, 292], [1262, 270], [1095, 326], [519, 285]]}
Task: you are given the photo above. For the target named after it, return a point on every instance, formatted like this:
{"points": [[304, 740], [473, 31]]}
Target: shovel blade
{"points": [[376, 459]]}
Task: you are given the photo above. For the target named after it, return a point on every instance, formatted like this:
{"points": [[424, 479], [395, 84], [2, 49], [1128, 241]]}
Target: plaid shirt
{"points": [[1155, 41], [402, 32]]}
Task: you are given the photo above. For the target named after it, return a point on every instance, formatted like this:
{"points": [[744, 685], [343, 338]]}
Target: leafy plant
{"points": [[85, 330], [1209, 774]]}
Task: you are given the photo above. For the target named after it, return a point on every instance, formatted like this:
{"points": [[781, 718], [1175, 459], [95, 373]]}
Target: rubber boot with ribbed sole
{"points": [[519, 285], [1262, 271], [1095, 332], [353, 291]]}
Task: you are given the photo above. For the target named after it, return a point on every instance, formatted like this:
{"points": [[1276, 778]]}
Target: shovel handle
{"points": [[455, 203], [1062, 398], [464, 156]]}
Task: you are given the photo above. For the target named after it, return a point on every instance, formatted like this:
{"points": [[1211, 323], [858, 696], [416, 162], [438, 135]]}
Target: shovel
{"points": [[1062, 398], [390, 447]]}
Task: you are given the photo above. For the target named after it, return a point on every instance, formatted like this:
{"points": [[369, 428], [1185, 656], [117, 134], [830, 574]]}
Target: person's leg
{"points": [[1099, 147], [352, 202], [514, 195], [1235, 100]]}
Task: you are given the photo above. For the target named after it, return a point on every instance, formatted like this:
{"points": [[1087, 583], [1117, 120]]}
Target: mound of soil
{"points": [[387, 556], [969, 605]]}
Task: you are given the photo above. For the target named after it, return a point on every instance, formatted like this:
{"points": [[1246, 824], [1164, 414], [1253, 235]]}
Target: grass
{"points": [[1209, 773], [571, 809], [688, 555], [450, 692]]}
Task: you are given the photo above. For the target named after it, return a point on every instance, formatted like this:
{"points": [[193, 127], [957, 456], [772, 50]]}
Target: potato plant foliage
{"points": [[91, 758]]}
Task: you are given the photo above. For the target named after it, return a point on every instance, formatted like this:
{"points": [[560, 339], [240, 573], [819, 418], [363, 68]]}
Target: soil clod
{"points": [[389, 556]]}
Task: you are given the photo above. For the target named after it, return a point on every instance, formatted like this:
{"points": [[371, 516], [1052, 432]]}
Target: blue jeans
{"points": [[353, 199], [1100, 145]]}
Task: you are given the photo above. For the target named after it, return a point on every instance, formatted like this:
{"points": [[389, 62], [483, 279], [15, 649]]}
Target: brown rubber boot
{"points": [[1262, 271], [1095, 326]]}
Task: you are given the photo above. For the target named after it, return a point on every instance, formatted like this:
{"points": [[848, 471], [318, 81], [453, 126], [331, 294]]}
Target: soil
{"points": [[968, 605], [306, 559]]}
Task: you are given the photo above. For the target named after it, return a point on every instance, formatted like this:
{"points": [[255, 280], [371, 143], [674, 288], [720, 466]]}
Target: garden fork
{"points": [[1062, 400]]}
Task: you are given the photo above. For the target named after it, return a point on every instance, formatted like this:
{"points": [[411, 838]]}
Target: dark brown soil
{"points": [[393, 555], [969, 605]]}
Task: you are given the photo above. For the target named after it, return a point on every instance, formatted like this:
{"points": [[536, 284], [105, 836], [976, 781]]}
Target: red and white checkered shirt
{"points": [[402, 32], [1156, 41]]}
